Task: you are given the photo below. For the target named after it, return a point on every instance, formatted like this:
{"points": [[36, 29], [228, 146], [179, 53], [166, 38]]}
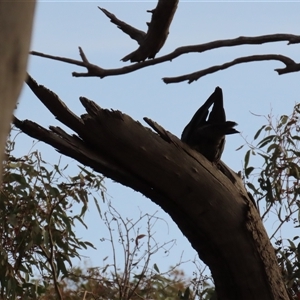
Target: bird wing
{"points": [[217, 114], [199, 118]]}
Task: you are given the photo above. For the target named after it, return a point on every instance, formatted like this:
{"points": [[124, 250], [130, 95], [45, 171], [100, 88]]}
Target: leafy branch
{"points": [[44, 239]]}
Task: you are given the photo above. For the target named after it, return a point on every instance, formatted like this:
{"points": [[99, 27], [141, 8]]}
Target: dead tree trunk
{"points": [[211, 209]]}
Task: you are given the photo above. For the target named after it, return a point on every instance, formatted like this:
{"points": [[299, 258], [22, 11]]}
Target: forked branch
{"points": [[158, 30], [96, 71]]}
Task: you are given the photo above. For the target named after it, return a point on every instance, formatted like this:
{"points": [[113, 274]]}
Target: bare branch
{"points": [[289, 69], [207, 206], [291, 66], [51, 258], [157, 33], [134, 33], [158, 30], [160, 130], [55, 105], [96, 71], [63, 59]]}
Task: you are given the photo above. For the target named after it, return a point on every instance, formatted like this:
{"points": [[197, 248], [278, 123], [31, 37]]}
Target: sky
{"points": [[248, 89]]}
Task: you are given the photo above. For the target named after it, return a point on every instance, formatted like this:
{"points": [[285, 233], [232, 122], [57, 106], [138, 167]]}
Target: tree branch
{"points": [[291, 66], [212, 211], [134, 33], [52, 254], [96, 71], [55, 105], [158, 31]]}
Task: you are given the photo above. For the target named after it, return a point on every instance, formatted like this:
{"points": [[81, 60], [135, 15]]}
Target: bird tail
{"points": [[223, 128], [228, 127]]}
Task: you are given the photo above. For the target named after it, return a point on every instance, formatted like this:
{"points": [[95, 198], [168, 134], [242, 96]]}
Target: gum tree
{"points": [[208, 202]]}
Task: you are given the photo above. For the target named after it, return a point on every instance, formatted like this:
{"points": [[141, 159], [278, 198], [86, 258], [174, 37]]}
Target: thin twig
{"points": [[116, 279], [281, 223], [52, 254]]}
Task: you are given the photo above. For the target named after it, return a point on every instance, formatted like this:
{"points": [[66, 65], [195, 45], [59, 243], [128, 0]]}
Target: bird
{"points": [[206, 132]]}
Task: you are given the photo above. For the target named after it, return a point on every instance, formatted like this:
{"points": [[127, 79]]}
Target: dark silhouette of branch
{"points": [[96, 71], [54, 104], [158, 30], [134, 33], [213, 211], [291, 66]]}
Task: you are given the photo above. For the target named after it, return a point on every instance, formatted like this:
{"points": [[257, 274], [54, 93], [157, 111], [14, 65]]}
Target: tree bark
{"points": [[211, 207], [16, 18]]}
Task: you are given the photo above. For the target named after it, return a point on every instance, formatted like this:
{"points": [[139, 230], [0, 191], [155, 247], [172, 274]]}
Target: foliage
{"points": [[37, 204], [92, 284], [37, 222], [136, 279], [276, 187]]}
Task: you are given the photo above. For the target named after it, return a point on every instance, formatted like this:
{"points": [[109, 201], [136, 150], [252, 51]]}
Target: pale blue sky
{"points": [[60, 27]]}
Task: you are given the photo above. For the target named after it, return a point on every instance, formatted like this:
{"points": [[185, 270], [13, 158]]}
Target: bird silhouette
{"points": [[207, 135]]}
